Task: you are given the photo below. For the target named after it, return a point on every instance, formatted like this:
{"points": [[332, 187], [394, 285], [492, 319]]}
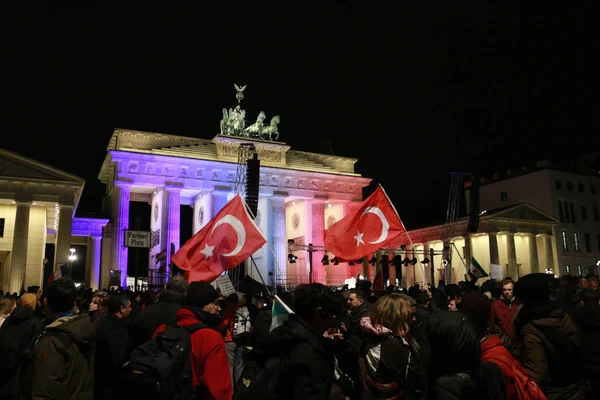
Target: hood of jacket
{"points": [[557, 327], [188, 315], [20, 314], [295, 331], [79, 328]]}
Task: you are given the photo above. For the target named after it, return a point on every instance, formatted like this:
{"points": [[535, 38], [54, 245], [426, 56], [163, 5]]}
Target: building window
{"points": [[1, 227], [584, 213], [568, 269], [588, 242], [580, 187], [560, 211], [567, 213], [570, 186], [579, 270], [565, 242], [592, 189], [503, 196], [558, 184], [572, 213], [595, 212], [576, 240], [598, 240]]}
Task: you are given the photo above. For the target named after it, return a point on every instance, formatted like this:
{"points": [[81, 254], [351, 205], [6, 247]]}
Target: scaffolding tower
{"points": [[452, 212]]}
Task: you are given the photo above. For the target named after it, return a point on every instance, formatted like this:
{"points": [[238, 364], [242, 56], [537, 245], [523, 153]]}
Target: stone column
{"points": [[318, 228], [278, 239], [550, 254], [122, 192], [63, 236], [93, 272], [219, 200], [494, 253], [173, 222], [511, 268], [391, 270], [533, 254], [19, 247]]}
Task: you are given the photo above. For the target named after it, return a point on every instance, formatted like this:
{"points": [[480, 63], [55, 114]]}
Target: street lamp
{"points": [[72, 257]]}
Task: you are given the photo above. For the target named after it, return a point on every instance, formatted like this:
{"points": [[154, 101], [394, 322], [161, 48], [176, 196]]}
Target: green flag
{"points": [[476, 270]]}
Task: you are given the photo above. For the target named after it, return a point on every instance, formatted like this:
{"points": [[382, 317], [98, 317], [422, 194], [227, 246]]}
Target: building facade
{"points": [[300, 194], [37, 207], [519, 238], [568, 193]]}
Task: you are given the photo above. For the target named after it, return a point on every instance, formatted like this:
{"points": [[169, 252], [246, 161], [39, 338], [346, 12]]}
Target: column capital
{"points": [[96, 237], [173, 187], [122, 184]]}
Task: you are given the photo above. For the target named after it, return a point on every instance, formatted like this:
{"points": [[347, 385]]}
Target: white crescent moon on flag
{"points": [[385, 226], [238, 227]]}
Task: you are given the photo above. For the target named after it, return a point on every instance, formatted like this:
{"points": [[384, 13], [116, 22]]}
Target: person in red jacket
{"points": [[504, 309], [210, 367]]}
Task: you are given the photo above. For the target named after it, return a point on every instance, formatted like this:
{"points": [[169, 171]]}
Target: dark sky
{"points": [[414, 92]]}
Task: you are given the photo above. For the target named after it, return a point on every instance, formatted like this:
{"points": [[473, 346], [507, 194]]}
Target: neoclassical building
{"points": [[37, 207], [519, 238], [300, 194]]}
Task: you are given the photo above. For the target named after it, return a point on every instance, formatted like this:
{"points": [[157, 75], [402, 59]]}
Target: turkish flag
{"points": [[223, 243], [373, 225]]}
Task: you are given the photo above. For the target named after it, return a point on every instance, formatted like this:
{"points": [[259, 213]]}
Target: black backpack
{"points": [[260, 377], [161, 368]]}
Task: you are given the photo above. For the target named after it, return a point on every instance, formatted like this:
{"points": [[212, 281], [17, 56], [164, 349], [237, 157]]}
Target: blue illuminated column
{"points": [[219, 199], [121, 197], [173, 222], [278, 238]]}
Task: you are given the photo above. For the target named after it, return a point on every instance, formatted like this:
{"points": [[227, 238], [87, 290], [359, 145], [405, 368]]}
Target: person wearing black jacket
{"points": [[163, 312], [16, 334]]}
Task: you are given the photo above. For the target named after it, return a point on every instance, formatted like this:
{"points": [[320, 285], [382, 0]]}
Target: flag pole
{"points": [[277, 269], [407, 235], [260, 276]]}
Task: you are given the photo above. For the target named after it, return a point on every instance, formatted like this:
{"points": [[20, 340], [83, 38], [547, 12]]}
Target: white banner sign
{"points": [[137, 239], [225, 285]]}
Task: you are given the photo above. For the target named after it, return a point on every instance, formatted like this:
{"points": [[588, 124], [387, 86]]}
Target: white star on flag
{"points": [[359, 238], [207, 251]]}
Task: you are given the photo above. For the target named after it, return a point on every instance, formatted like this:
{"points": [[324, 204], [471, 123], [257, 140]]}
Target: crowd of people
{"points": [[495, 341]]}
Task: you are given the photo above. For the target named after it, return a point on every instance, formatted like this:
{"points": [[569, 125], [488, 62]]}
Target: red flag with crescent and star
{"points": [[224, 242], [370, 227]]}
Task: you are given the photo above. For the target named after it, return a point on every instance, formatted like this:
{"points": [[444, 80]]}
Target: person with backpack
{"points": [[16, 334], [296, 360], [501, 375], [550, 341], [208, 359], [62, 359]]}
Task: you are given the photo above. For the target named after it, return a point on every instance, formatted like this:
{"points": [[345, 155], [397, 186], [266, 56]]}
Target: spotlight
{"points": [[325, 260], [425, 261], [373, 260], [292, 258], [413, 261], [406, 262], [350, 263], [335, 261]]}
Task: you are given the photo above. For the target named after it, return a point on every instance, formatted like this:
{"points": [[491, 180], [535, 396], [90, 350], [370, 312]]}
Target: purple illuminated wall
{"points": [[122, 196]]}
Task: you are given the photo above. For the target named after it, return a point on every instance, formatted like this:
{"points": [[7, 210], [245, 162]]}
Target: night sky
{"points": [[414, 93]]}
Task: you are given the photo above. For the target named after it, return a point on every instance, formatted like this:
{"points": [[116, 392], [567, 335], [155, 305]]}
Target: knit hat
{"points": [[29, 300], [534, 288], [200, 294], [412, 301]]}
